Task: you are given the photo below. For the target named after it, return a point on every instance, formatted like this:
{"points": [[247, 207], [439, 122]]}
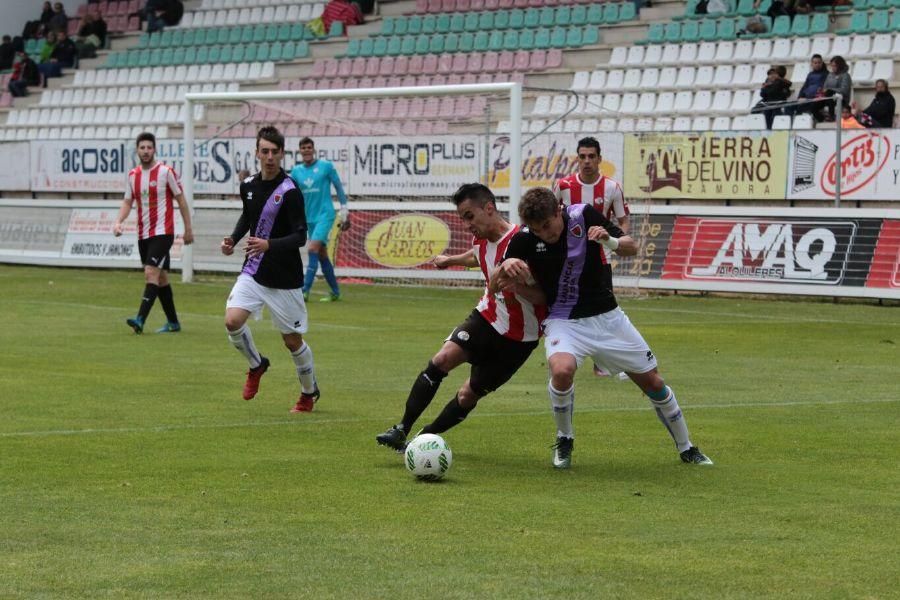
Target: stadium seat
{"points": [[724, 52], [741, 101], [615, 79], [649, 79], [653, 55], [781, 122], [803, 121], [688, 53], [840, 46], [881, 45], [656, 34], [701, 123], [686, 77], [598, 80], [820, 45], [859, 23], [671, 54], [618, 56], [721, 123], [762, 50], [743, 76], [635, 56], [884, 69]]}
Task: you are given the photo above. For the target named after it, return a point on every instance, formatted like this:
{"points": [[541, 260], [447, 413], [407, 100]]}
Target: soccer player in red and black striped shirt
{"points": [[155, 188]]}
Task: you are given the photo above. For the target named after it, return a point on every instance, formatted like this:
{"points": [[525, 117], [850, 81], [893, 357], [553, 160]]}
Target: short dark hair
{"points": [[306, 140], [538, 204], [589, 142], [146, 136], [819, 56], [270, 133], [478, 193]]}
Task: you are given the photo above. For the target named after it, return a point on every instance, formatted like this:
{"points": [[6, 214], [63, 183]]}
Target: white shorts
{"points": [[287, 306], [610, 339]]}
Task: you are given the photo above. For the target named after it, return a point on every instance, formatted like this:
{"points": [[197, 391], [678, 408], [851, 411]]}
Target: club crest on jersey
{"points": [[463, 335], [577, 230], [277, 198]]}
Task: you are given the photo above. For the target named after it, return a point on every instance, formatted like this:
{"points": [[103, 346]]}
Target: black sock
{"points": [[168, 303], [150, 292], [452, 415], [421, 394]]}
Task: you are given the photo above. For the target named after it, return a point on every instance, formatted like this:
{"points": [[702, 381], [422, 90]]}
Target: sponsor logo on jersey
{"points": [[541, 247]]}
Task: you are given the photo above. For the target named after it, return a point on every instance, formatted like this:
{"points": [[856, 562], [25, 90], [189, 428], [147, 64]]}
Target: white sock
{"points": [[669, 414], [562, 404], [303, 359], [242, 339]]}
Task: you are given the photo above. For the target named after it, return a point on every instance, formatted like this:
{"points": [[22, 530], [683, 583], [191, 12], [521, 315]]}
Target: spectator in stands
{"points": [[60, 20], [47, 49], [836, 82], [7, 53], [812, 86], [753, 26], [65, 53], [91, 34], [344, 11], [162, 13], [848, 121], [775, 90], [880, 113], [48, 66], [35, 29], [25, 73]]}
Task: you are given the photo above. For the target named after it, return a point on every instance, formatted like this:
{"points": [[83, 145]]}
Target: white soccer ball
{"points": [[428, 457]]}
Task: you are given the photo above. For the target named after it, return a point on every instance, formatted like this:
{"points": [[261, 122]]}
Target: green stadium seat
{"points": [[673, 33], [859, 23], [542, 39], [471, 22], [726, 29], [401, 26], [879, 21], [408, 45], [152, 41], [442, 23], [627, 12], [272, 32], [289, 50], [800, 25], [387, 26], [215, 54], [422, 43], [165, 59], [706, 32], [501, 19], [878, 4], [202, 55], [579, 14], [495, 42], [610, 13], [558, 37], [228, 36], [337, 29], [466, 41], [246, 34], [595, 14], [380, 46], [819, 24], [263, 52], [656, 33], [245, 53], [457, 23], [191, 36], [414, 25], [298, 30], [451, 42], [146, 59], [526, 39], [574, 37], [394, 45], [181, 55], [284, 33], [690, 31], [366, 47], [436, 44], [259, 33], [532, 18], [548, 16], [177, 37], [112, 60], [781, 27], [276, 52], [517, 18], [165, 38], [429, 24], [895, 21], [510, 39], [144, 41], [302, 50], [228, 53], [482, 38], [745, 8], [486, 21], [591, 35], [690, 11], [352, 49], [563, 16]]}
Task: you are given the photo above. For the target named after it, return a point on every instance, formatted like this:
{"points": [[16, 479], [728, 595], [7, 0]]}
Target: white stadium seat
{"points": [[741, 101], [649, 78], [702, 101], [700, 123], [743, 76], [723, 76], [721, 102], [635, 56], [629, 103], [861, 72], [799, 73], [706, 52], [683, 102], [840, 47], [643, 125], [619, 56], [632, 79], [781, 50], [820, 45], [607, 125], [721, 124], [653, 55], [671, 54], [884, 69], [662, 124], [580, 81], [611, 102], [688, 54], [665, 103], [762, 50], [724, 52], [625, 124], [646, 103], [756, 121], [800, 49], [681, 124], [881, 45], [667, 77], [541, 106], [860, 45], [781, 122], [686, 77], [803, 121], [615, 79]]}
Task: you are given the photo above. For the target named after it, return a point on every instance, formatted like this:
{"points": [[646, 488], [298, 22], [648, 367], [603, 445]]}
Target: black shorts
{"points": [[494, 358], [155, 250]]}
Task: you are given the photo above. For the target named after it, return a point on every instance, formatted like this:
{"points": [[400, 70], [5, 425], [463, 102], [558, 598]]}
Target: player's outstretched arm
{"points": [[466, 259], [508, 274]]}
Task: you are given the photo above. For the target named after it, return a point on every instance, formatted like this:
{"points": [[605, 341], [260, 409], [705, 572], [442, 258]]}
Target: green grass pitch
{"points": [[131, 467]]}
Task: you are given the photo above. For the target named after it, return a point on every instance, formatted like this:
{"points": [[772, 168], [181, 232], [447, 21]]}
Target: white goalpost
{"points": [[512, 91]]}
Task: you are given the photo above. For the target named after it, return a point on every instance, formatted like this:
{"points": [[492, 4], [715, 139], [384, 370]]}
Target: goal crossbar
{"points": [[513, 89]]}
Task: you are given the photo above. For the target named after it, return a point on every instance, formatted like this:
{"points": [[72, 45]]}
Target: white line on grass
{"points": [[188, 427]]}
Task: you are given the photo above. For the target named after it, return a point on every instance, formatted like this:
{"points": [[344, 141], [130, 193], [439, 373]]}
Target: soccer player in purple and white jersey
{"points": [[272, 274], [559, 248]]}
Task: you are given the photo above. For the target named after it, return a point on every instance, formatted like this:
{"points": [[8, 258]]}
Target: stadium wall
{"points": [[817, 252]]}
